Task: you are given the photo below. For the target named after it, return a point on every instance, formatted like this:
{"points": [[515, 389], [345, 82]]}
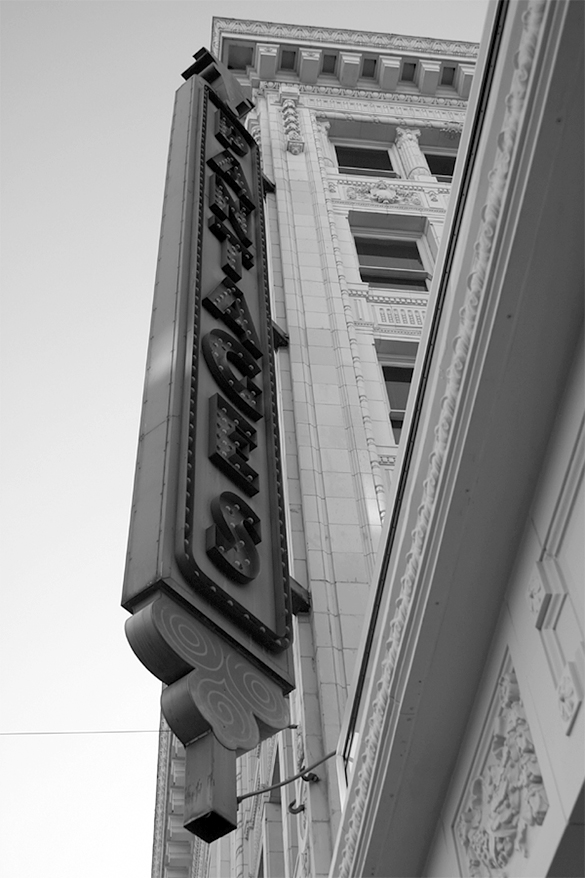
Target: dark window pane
{"points": [[388, 253], [329, 63], [408, 70], [287, 59], [397, 379], [396, 423], [441, 165], [388, 280], [369, 68], [448, 75], [354, 157]]}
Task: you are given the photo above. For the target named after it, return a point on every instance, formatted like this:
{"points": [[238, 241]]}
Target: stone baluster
{"points": [[413, 159]]}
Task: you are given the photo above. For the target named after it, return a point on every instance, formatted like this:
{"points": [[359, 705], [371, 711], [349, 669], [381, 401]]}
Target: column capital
{"points": [[407, 135], [413, 160]]}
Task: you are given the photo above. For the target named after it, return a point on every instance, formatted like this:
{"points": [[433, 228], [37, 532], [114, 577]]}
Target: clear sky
{"points": [[87, 96]]}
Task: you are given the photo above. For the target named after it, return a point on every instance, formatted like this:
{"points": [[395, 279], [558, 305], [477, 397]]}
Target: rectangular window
{"points": [[288, 58], [441, 166], [396, 359], [408, 71], [365, 162], [397, 380], [369, 68], [329, 62], [391, 262], [448, 75]]}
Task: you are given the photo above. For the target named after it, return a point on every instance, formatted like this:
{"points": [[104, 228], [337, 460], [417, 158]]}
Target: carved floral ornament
{"points": [[508, 796], [385, 193]]}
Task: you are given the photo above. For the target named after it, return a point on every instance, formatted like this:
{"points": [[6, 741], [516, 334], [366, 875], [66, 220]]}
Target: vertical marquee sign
{"points": [[206, 575]]}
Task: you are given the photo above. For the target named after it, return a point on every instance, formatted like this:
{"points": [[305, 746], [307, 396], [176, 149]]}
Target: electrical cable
{"points": [[89, 732]]}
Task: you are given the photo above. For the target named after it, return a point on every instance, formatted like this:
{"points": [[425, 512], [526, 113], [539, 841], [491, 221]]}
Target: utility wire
{"points": [[90, 732]]}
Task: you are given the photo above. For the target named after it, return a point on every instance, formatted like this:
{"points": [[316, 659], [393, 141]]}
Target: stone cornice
{"points": [[363, 39]]}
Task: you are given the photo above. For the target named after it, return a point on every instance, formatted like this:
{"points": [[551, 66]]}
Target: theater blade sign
{"points": [[206, 577]]}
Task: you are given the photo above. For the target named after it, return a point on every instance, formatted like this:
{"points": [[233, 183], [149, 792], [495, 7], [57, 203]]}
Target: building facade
{"points": [[424, 212]]}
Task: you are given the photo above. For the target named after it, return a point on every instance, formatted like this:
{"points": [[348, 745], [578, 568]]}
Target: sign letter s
{"points": [[231, 541]]}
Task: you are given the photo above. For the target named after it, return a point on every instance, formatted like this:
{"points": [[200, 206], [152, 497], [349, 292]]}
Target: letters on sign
{"points": [[232, 389], [208, 524], [232, 358]]}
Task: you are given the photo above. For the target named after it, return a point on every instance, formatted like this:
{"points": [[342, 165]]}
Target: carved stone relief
{"points": [[507, 796], [306, 862], [538, 597], [569, 695], [452, 130], [385, 193], [292, 126], [329, 158], [395, 193]]}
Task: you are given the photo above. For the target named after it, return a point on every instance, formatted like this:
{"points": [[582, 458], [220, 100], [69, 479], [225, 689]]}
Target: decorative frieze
{"points": [[394, 193], [507, 796], [385, 193], [381, 191], [332, 97], [411, 45]]}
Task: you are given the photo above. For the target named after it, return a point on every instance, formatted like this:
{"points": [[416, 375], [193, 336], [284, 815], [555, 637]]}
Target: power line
{"points": [[89, 732]]}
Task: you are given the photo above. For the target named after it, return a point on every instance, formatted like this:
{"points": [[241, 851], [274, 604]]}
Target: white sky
{"points": [[87, 96]]}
